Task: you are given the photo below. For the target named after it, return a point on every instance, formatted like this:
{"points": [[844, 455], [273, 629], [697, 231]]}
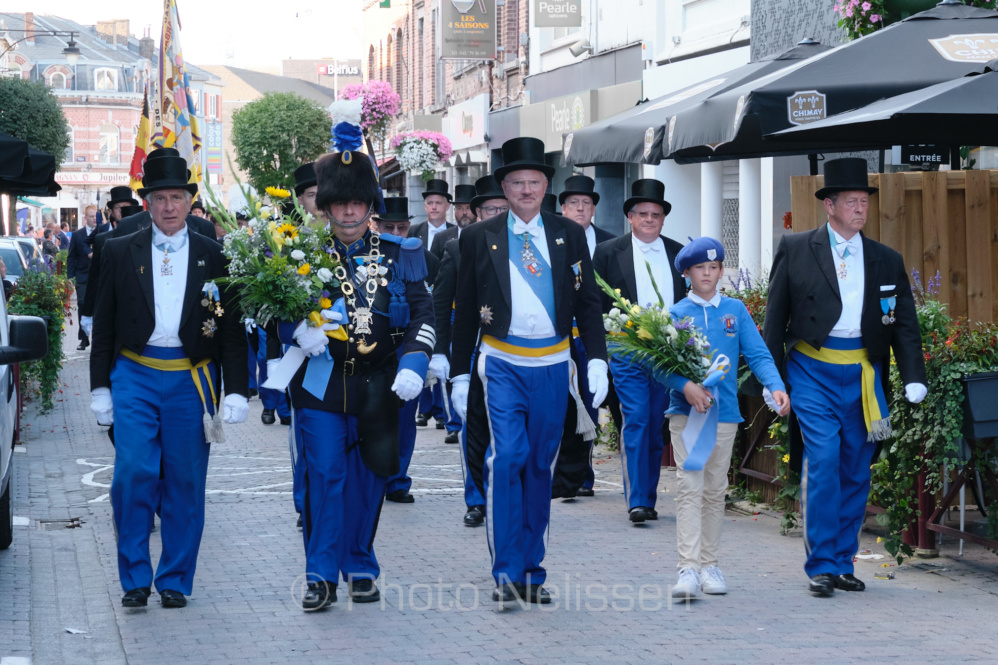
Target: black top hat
{"points": [[166, 173], [304, 178], [464, 193], [121, 195], [647, 190], [486, 188], [524, 152], [437, 186], [847, 174], [548, 203], [199, 205], [163, 152], [579, 184], [396, 210]]}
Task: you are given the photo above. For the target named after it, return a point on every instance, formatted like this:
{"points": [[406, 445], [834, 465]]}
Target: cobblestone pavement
{"points": [[60, 596]]}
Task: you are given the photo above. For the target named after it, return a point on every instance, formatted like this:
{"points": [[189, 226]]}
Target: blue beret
{"points": [[699, 251]]}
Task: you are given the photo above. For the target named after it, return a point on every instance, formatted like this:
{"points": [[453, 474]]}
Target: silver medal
{"points": [[886, 320]]}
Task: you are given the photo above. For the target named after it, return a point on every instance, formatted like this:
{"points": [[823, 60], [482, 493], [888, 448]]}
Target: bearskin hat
{"points": [[345, 176]]}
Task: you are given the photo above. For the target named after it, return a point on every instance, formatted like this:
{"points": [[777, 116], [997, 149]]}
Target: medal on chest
{"points": [[529, 260], [887, 306], [165, 269], [843, 269]]}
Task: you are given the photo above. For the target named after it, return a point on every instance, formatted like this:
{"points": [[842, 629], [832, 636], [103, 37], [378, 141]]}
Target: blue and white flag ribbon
{"points": [[700, 434], [211, 291]]}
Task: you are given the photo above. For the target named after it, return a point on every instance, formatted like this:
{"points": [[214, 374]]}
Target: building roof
{"points": [[265, 83]]}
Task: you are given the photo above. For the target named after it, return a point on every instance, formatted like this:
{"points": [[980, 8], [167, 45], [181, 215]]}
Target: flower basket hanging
{"points": [[421, 152]]}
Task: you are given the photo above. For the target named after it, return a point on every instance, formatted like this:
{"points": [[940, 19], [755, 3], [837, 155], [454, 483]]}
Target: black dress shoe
{"points": [[452, 437], [171, 598], [299, 522], [138, 597], [285, 420], [422, 419], [585, 491], [253, 393], [639, 514], [400, 496], [536, 593], [267, 417], [364, 590], [83, 346], [652, 514], [475, 516], [822, 585], [507, 593], [319, 596], [440, 424], [849, 582]]}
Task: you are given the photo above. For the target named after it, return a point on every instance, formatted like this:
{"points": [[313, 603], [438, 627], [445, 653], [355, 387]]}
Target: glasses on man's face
{"points": [[494, 210], [654, 216], [520, 185]]}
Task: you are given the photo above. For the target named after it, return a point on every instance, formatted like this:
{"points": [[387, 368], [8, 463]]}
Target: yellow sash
{"points": [[526, 352], [179, 365]]}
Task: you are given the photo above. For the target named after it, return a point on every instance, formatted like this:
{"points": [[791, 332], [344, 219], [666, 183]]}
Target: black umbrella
{"points": [[13, 152], [941, 44], [636, 135], [959, 112]]}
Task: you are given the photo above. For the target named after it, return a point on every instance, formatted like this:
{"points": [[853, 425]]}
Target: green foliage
{"points": [[608, 436], [275, 135], [30, 112]]}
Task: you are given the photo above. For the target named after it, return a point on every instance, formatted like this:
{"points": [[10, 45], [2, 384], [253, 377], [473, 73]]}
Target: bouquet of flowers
{"points": [[281, 269], [653, 339], [380, 104], [421, 152]]}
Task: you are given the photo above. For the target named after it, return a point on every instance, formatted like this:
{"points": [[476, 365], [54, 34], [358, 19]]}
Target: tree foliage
{"points": [[275, 135], [29, 111]]}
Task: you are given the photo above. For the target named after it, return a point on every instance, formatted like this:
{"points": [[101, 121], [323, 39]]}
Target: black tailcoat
{"points": [[614, 262], [441, 239]]}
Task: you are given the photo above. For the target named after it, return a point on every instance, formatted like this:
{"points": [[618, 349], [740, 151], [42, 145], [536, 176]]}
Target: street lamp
{"points": [[72, 51]]}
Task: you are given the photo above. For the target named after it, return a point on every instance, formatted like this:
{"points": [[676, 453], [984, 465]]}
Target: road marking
{"points": [[21, 521]]}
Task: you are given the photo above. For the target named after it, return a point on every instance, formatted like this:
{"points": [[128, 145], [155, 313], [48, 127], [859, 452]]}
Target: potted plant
{"points": [[380, 105], [421, 152]]}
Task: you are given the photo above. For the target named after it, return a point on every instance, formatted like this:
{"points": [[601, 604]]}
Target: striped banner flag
{"points": [[141, 144], [179, 125]]}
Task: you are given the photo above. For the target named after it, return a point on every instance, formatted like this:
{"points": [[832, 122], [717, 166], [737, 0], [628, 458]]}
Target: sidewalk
{"points": [[610, 579]]}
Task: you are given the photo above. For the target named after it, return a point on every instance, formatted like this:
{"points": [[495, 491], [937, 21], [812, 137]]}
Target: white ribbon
{"points": [[280, 376]]}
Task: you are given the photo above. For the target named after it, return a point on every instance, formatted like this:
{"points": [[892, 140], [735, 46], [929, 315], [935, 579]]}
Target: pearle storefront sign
{"points": [[558, 13], [468, 29]]}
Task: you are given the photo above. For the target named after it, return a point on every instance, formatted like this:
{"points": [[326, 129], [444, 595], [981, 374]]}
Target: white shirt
{"points": [[850, 286], [591, 239], [432, 231], [168, 290], [529, 319], [654, 254]]}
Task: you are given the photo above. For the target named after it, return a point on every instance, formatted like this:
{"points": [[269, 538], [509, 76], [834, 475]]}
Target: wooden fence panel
{"points": [[978, 207], [956, 281], [934, 236]]}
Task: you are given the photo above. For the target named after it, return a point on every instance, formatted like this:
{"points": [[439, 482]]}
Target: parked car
{"points": [[14, 258], [22, 339], [29, 247]]}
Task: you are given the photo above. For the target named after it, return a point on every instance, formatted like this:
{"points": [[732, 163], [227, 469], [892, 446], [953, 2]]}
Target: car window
{"points": [[12, 259]]}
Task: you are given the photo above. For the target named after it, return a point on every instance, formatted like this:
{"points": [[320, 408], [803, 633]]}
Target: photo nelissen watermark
{"points": [[567, 594]]}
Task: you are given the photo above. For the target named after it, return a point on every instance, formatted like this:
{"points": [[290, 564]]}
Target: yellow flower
{"points": [[879, 539], [287, 230], [635, 310], [325, 303], [786, 458], [643, 334], [304, 269], [277, 192], [617, 291]]}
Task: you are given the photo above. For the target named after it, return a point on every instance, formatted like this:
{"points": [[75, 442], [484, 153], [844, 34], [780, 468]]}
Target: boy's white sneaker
{"points": [[712, 581], [688, 585]]}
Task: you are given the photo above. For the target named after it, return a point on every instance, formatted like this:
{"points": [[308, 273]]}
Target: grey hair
{"points": [[190, 197]]}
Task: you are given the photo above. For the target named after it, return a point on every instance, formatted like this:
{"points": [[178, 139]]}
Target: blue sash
{"points": [[540, 282]]}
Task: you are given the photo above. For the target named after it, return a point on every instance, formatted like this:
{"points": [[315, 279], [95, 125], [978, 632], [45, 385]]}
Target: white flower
{"points": [[672, 332], [324, 274], [614, 313], [253, 223], [706, 361], [298, 255], [623, 318]]}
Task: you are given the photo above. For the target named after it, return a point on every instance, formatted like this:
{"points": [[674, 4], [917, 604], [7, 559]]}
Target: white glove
{"points": [[439, 366], [915, 392], [459, 394], [87, 324], [599, 384], [250, 325], [407, 385], [235, 409], [335, 317], [312, 341], [101, 405]]}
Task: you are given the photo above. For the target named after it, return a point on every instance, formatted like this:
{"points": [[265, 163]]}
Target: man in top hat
{"points": [[578, 203], [306, 187], [463, 215], [164, 334], [349, 438], [198, 210], [78, 262], [395, 221], [831, 331], [489, 200], [524, 277], [141, 221], [121, 198], [624, 263]]}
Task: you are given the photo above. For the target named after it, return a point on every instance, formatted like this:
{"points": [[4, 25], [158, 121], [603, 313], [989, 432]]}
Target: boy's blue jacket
{"points": [[730, 330]]}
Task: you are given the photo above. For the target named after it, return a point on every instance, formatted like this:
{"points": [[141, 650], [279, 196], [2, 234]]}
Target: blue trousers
{"points": [[407, 444], [431, 402], [297, 466], [251, 362], [342, 498], [271, 398], [472, 495], [158, 420], [587, 399], [835, 479], [643, 401], [526, 409]]}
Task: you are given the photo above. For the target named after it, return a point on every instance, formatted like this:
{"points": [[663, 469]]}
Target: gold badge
{"points": [[209, 328], [486, 313]]}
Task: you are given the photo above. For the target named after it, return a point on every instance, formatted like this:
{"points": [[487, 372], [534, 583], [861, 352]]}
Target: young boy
{"points": [[730, 330]]}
